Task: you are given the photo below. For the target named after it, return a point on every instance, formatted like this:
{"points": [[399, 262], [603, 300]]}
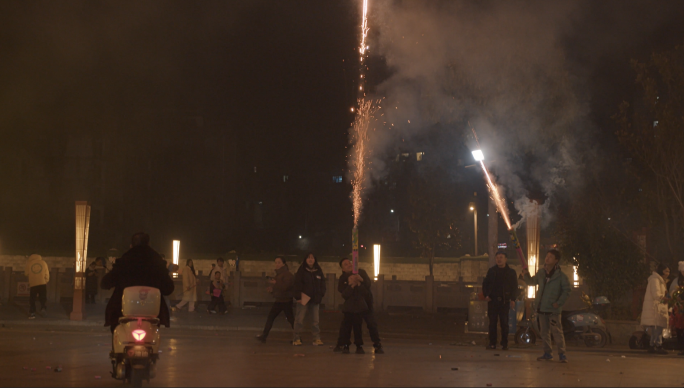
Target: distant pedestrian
{"points": [[91, 282], [553, 290], [654, 311], [282, 290], [216, 289], [355, 294], [38, 277], [309, 289], [189, 287], [368, 315], [167, 298], [500, 288], [219, 267], [677, 320]]}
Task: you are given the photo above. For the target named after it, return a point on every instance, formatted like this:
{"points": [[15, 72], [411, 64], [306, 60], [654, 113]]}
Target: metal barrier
{"points": [[454, 295], [404, 293], [253, 290]]}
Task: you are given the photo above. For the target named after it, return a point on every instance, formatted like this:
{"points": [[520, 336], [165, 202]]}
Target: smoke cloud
{"points": [[502, 68]]}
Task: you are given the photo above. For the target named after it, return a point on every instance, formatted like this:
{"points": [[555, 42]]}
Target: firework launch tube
{"points": [[516, 243], [355, 249]]}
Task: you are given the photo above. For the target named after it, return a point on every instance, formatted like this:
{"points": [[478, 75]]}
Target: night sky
{"points": [[276, 80]]}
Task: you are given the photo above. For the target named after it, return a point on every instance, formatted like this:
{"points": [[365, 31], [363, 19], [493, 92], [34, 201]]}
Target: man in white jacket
{"points": [[38, 276]]}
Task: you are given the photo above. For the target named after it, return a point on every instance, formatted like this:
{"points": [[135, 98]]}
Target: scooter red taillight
{"points": [[139, 335]]}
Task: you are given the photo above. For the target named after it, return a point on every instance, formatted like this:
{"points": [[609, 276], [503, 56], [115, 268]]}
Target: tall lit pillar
{"points": [[376, 260], [492, 232], [82, 229], [533, 236], [176, 256]]}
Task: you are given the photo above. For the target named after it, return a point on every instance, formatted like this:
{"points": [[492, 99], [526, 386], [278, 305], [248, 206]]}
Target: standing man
{"points": [[500, 288], [282, 289], [347, 284], [38, 276], [553, 290]]}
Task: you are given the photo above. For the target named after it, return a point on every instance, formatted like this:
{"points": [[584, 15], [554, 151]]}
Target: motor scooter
{"points": [[580, 325], [136, 338]]}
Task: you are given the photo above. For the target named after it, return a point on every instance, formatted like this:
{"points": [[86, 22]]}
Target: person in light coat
{"points": [[38, 276], [189, 287], [654, 310]]}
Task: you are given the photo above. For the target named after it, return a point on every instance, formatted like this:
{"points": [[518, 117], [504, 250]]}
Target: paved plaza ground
{"points": [[230, 358], [220, 350]]}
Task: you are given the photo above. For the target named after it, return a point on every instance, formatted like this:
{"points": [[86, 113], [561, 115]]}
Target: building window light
{"points": [[419, 156], [337, 179], [255, 169], [286, 178]]}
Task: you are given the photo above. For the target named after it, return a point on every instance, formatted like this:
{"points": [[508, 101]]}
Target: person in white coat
{"points": [[189, 287], [654, 310]]}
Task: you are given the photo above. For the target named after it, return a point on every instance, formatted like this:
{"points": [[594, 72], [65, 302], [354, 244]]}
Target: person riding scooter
{"points": [[140, 266]]}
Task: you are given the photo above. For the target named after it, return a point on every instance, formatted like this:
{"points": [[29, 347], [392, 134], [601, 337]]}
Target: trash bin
{"points": [[478, 320]]}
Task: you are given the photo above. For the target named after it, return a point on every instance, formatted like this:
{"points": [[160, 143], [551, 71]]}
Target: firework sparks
{"points": [[498, 200], [364, 30], [359, 131], [364, 113]]}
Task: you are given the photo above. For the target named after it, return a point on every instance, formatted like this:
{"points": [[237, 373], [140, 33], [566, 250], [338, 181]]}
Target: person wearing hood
{"points": [[553, 290], [309, 289], [500, 288], [189, 287], [38, 277], [282, 290], [140, 266], [654, 311]]}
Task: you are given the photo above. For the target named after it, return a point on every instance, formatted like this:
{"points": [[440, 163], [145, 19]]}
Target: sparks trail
{"points": [[364, 30], [498, 200], [502, 208], [365, 113], [359, 139]]}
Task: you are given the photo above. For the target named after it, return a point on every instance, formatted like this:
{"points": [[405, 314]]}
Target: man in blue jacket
{"points": [[553, 290]]}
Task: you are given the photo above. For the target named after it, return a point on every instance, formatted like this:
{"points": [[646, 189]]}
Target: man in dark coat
{"points": [[500, 289], [140, 266], [358, 307]]}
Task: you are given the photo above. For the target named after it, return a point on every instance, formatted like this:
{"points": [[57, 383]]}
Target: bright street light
{"points": [[391, 210], [300, 236], [478, 155]]}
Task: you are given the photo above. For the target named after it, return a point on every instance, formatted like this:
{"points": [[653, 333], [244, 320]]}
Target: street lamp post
{"points": [[473, 208]]}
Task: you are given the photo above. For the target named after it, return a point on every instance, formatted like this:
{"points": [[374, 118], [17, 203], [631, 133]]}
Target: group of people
{"points": [[500, 289], [301, 294], [216, 290], [655, 312]]}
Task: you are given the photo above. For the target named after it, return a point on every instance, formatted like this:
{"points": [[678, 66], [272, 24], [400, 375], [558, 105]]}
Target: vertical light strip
{"points": [[575, 276], [376, 260], [176, 254]]}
